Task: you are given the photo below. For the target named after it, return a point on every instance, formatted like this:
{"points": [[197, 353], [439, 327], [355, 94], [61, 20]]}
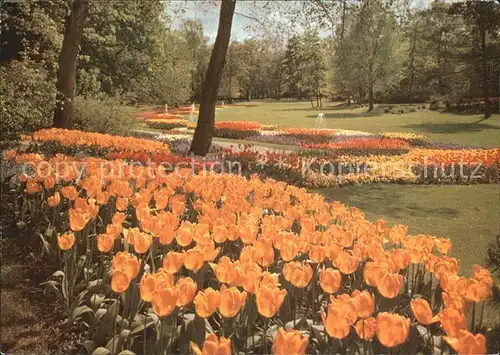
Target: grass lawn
{"points": [[468, 215], [441, 127]]}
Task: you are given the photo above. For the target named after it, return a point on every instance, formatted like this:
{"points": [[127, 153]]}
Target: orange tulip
{"points": [[317, 253], [114, 229], [247, 233], [249, 254], [148, 286], [54, 200], [347, 263], [398, 233], [336, 325], [206, 302], [250, 277], [364, 303], [482, 275], [345, 307], [266, 252], [288, 250], [297, 274], [269, 300], [194, 260], [173, 261], [118, 218], [422, 311], [231, 301], [220, 234], [268, 279], [455, 300], [330, 280], [467, 343], [400, 258], [392, 329], [121, 203], [164, 300], [390, 284], [289, 342], [213, 346], [184, 235], [142, 242], [105, 242], [166, 235], [443, 244], [476, 291], [78, 219], [187, 290], [366, 328], [66, 241], [120, 281], [452, 320], [127, 263], [225, 271], [69, 192]]}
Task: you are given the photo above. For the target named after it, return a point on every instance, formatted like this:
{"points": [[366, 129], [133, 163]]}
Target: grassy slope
{"points": [[442, 127]]}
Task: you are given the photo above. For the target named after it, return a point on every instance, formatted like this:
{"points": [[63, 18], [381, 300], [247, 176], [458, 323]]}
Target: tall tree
{"points": [[66, 73], [203, 133]]}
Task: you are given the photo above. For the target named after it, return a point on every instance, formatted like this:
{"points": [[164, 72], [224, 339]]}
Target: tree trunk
{"points": [[412, 62], [482, 33], [66, 73], [203, 133], [370, 98]]}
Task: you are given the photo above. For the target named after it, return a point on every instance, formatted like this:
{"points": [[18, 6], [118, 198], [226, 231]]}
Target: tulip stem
{"points": [[363, 331], [144, 341], [473, 321], [264, 338], [114, 327], [481, 316]]}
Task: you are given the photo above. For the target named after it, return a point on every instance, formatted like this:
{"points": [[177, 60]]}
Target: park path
{"points": [[235, 145]]}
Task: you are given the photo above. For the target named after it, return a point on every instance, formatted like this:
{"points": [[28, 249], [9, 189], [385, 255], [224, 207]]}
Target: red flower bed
{"points": [[143, 116]]}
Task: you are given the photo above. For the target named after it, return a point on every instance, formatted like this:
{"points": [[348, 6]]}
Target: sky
{"points": [[207, 11]]}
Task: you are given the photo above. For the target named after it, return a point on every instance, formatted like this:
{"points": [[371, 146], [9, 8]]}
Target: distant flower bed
{"points": [[311, 134], [237, 129], [412, 138], [166, 124], [365, 146], [157, 115]]}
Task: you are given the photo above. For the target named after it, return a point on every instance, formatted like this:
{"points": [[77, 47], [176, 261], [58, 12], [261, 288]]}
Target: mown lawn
{"points": [[441, 127]]}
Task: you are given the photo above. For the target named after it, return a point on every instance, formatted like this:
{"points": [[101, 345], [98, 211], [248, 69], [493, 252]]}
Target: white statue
{"points": [[320, 120], [166, 108]]}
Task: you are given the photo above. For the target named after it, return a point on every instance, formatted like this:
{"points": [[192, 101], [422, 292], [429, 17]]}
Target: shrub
{"points": [[28, 98], [106, 115], [166, 124]]}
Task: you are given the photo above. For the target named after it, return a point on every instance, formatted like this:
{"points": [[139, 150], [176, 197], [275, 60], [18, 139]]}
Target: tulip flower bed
{"points": [[412, 138], [309, 135], [144, 116], [156, 263], [236, 129], [328, 169], [365, 146], [74, 138], [166, 124]]}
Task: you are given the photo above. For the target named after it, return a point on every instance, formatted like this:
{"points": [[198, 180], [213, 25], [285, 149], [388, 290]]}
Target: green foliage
{"points": [[106, 115], [27, 98]]}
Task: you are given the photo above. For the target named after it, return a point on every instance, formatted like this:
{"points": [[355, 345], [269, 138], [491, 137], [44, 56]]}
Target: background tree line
{"points": [[362, 50]]}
